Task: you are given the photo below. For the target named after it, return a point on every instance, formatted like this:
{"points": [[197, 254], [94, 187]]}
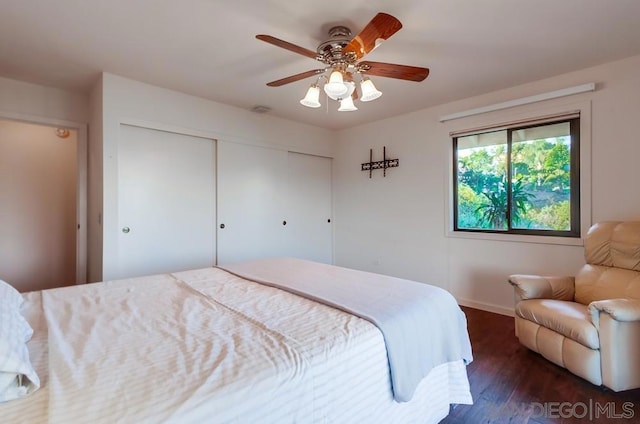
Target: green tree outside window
{"points": [[521, 180]]}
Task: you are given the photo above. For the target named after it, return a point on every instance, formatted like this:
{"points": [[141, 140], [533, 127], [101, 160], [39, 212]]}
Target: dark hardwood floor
{"points": [[511, 384]]}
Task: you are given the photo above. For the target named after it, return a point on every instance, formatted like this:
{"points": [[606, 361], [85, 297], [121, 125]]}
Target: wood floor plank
{"points": [[511, 384]]}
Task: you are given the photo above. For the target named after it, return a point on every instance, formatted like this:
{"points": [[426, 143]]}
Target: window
{"points": [[522, 179]]}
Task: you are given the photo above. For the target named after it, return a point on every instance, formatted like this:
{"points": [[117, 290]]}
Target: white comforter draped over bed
{"points": [[205, 346], [422, 324]]}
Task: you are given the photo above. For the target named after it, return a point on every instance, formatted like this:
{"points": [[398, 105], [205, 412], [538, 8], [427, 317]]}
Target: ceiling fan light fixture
{"points": [[336, 87], [312, 98], [369, 91], [351, 87], [346, 105], [341, 55]]}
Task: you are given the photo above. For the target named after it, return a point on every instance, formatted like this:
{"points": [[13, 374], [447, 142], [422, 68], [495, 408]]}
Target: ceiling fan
{"points": [[342, 54]]}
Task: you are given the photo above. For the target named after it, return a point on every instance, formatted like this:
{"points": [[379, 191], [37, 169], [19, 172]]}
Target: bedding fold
{"points": [[422, 325], [17, 376]]}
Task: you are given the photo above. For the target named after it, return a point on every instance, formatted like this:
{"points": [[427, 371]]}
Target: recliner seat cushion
{"points": [[570, 319]]}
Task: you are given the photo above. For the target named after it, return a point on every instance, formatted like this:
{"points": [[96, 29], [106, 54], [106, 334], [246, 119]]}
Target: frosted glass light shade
{"points": [[335, 87], [351, 87], [312, 98], [346, 105], [369, 91]]}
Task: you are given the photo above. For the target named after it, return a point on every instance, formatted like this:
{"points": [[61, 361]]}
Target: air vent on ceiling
{"points": [[260, 109]]}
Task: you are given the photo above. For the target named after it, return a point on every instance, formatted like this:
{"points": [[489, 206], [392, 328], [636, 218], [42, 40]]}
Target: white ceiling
{"points": [[207, 48]]}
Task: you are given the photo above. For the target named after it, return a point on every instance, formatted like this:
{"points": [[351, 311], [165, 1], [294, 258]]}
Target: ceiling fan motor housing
{"points": [[332, 50]]}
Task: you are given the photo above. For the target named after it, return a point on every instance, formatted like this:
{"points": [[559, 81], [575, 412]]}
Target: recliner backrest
{"points": [[612, 253]]}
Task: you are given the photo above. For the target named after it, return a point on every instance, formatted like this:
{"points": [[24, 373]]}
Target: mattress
{"points": [[208, 346]]}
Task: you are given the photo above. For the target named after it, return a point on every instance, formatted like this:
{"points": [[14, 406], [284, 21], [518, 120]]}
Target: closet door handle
{"points": [[222, 226], [126, 229]]}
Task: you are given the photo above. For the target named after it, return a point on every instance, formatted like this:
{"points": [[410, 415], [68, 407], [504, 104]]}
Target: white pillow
{"points": [[9, 296], [17, 376]]}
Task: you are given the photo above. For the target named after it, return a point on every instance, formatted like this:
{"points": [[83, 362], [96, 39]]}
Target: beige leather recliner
{"points": [[590, 323]]}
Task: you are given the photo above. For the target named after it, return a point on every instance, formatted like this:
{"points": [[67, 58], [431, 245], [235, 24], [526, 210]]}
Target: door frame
{"points": [[81, 183]]}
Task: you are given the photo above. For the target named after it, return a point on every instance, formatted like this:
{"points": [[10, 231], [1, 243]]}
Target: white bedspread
{"points": [[205, 346], [422, 325]]}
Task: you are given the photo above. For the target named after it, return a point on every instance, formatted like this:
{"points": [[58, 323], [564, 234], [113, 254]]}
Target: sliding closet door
{"points": [[309, 207], [166, 201], [272, 203], [251, 202]]}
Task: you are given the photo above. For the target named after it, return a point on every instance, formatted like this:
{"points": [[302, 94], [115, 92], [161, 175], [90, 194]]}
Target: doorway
{"points": [[40, 180]]}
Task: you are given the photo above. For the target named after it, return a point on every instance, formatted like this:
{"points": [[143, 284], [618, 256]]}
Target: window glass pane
{"points": [[481, 181], [561, 129], [541, 177]]}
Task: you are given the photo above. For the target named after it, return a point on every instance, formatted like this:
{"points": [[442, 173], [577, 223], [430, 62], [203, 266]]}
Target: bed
{"points": [[233, 345]]}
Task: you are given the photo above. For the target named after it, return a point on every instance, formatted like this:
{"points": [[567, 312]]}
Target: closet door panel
{"points": [[309, 208], [251, 202], [166, 202]]}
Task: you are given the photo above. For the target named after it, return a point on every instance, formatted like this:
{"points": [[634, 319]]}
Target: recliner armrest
{"points": [[539, 287], [623, 310]]}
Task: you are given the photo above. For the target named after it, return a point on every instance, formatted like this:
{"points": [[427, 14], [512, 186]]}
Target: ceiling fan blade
{"points": [[391, 70], [286, 45], [381, 27], [294, 78]]}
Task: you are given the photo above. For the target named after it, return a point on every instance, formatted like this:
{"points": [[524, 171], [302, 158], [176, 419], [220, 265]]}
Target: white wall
{"points": [[398, 225], [132, 102], [394, 225], [23, 98]]}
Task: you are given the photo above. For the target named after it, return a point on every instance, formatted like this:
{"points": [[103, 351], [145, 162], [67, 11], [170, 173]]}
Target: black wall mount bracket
{"points": [[381, 164]]}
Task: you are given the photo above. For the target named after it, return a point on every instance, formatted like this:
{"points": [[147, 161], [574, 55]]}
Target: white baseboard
{"points": [[496, 309]]}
